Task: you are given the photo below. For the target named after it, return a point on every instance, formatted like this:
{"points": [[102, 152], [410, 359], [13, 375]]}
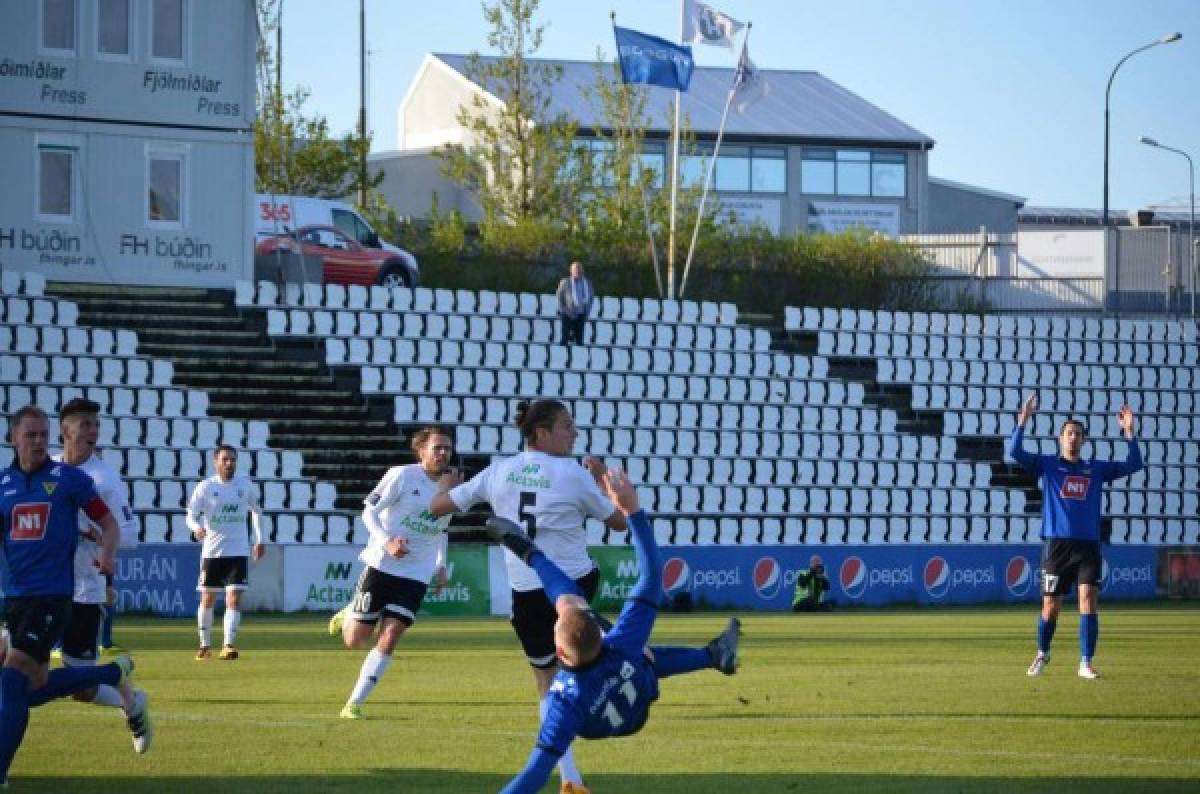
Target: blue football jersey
{"points": [[39, 518], [1072, 492]]}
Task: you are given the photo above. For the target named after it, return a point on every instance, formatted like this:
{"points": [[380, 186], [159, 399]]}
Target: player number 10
{"points": [[610, 711]]}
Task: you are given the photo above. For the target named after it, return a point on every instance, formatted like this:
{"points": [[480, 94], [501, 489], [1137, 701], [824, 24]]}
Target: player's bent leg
{"points": [[669, 660], [357, 634], [337, 621]]}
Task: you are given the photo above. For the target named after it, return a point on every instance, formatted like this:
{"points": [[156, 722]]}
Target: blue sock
{"points": [[106, 640], [64, 681], [1045, 631], [673, 661], [554, 581], [14, 715], [1089, 631]]}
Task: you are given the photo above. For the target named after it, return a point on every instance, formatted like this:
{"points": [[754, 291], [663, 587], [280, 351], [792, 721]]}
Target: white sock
{"points": [[372, 670], [108, 696], [566, 765], [233, 618], [204, 617]]}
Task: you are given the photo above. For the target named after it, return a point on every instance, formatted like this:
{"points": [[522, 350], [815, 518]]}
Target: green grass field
{"points": [[898, 700]]}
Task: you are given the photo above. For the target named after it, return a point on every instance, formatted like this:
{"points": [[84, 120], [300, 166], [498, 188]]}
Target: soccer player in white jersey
{"points": [[550, 495], [216, 515], [79, 420], [406, 550]]}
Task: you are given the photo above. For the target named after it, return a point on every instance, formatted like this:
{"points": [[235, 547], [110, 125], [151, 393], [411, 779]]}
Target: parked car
{"points": [[343, 260], [275, 215]]}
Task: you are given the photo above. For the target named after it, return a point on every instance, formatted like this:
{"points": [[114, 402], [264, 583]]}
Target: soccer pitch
{"points": [[894, 700]]}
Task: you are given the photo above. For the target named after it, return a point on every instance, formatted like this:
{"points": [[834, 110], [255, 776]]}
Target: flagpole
{"points": [[712, 165], [674, 172], [641, 187]]}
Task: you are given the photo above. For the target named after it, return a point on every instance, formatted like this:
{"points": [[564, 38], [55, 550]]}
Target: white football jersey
{"points": [[548, 496], [400, 504], [222, 509], [89, 582]]}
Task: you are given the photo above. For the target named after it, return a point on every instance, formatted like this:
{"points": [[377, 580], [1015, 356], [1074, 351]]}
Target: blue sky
{"points": [[1011, 90]]}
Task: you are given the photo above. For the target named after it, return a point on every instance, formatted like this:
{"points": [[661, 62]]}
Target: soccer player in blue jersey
{"points": [[40, 502], [1071, 504], [606, 682]]}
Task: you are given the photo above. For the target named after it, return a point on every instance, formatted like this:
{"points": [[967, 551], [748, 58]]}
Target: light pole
{"points": [[1170, 37], [1191, 213]]}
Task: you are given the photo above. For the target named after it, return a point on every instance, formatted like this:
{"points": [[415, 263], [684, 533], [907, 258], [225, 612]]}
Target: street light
{"points": [[1191, 214], [1164, 40]]}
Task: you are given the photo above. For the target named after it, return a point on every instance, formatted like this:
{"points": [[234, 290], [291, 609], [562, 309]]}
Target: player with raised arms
{"points": [[1072, 500], [546, 491], [407, 548], [606, 682]]}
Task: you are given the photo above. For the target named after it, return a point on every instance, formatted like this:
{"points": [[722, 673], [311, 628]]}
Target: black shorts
{"points": [[221, 573], [533, 618], [36, 624], [81, 637], [378, 592], [1065, 562]]}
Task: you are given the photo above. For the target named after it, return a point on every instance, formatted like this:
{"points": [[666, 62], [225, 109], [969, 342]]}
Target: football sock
{"points": [[14, 715], [673, 661], [1089, 631], [233, 618], [108, 696], [372, 670], [106, 640], [566, 765], [63, 681], [204, 619], [1045, 633]]}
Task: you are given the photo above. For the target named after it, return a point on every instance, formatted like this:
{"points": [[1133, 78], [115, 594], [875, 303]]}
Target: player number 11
{"points": [[610, 711]]}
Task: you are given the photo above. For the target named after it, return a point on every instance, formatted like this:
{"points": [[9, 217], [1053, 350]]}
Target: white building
{"points": [[126, 139]]}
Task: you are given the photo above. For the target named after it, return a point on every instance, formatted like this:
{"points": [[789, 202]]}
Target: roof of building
{"points": [[798, 105], [996, 194], [1085, 216]]}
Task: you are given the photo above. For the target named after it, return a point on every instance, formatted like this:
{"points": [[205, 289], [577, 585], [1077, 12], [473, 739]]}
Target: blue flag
{"points": [[651, 60]]}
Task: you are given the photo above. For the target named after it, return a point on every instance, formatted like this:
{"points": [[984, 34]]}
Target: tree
{"points": [[294, 153], [518, 152]]}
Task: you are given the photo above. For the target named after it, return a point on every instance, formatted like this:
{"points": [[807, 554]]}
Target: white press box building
{"points": [[810, 155], [126, 139]]}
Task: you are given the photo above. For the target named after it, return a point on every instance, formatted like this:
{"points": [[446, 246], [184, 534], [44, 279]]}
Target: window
{"points": [[58, 25], [56, 180], [733, 170], [112, 28], [166, 177], [353, 226], [768, 170], [167, 29], [654, 158], [853, 173], [887, 174]]}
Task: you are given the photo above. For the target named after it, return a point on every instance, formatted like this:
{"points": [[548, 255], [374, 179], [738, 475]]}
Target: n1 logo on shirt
{"points": [[29, 521], [1075, 487]]}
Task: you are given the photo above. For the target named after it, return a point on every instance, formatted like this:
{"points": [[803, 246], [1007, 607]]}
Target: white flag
{"points": [[749, 85], [703, 24]]}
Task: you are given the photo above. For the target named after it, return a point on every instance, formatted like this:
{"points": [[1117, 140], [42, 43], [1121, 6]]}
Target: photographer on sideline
{"points": [[811, 586]]}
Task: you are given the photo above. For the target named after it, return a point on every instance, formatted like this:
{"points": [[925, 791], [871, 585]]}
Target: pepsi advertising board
{"points": [[764, 577]]}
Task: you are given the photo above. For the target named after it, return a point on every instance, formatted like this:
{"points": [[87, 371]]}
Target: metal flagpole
{"points": [[641, 187], [674, 174], [712, 165]]}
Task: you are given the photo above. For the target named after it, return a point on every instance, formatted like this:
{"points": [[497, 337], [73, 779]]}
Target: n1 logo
{"points": [[29, 521], [1075, 487]]}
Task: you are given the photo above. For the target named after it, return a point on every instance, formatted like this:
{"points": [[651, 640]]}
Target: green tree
{"points": [[518, 152]]}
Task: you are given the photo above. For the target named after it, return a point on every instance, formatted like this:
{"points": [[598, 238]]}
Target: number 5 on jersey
{"points": [[528, 504]]}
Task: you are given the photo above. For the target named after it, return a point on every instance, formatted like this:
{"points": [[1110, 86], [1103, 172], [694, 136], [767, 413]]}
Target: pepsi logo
{"points": [[676, 575], [1018, 575], [768, 577], [853, 577], [937, 577]]}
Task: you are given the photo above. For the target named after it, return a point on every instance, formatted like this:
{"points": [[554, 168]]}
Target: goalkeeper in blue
{"points": [[606, 681], [1071, 504]]}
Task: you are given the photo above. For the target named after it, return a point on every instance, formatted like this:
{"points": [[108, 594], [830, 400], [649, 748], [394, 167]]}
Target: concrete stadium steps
{"points": [[309, 407]]}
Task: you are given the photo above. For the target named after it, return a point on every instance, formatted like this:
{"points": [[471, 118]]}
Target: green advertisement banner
{"points": [[467, 592], [618, 575]]}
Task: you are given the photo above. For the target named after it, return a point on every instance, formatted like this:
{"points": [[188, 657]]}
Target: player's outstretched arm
{"points": [[1016, 444], [535, 774], [1133, 461]]}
